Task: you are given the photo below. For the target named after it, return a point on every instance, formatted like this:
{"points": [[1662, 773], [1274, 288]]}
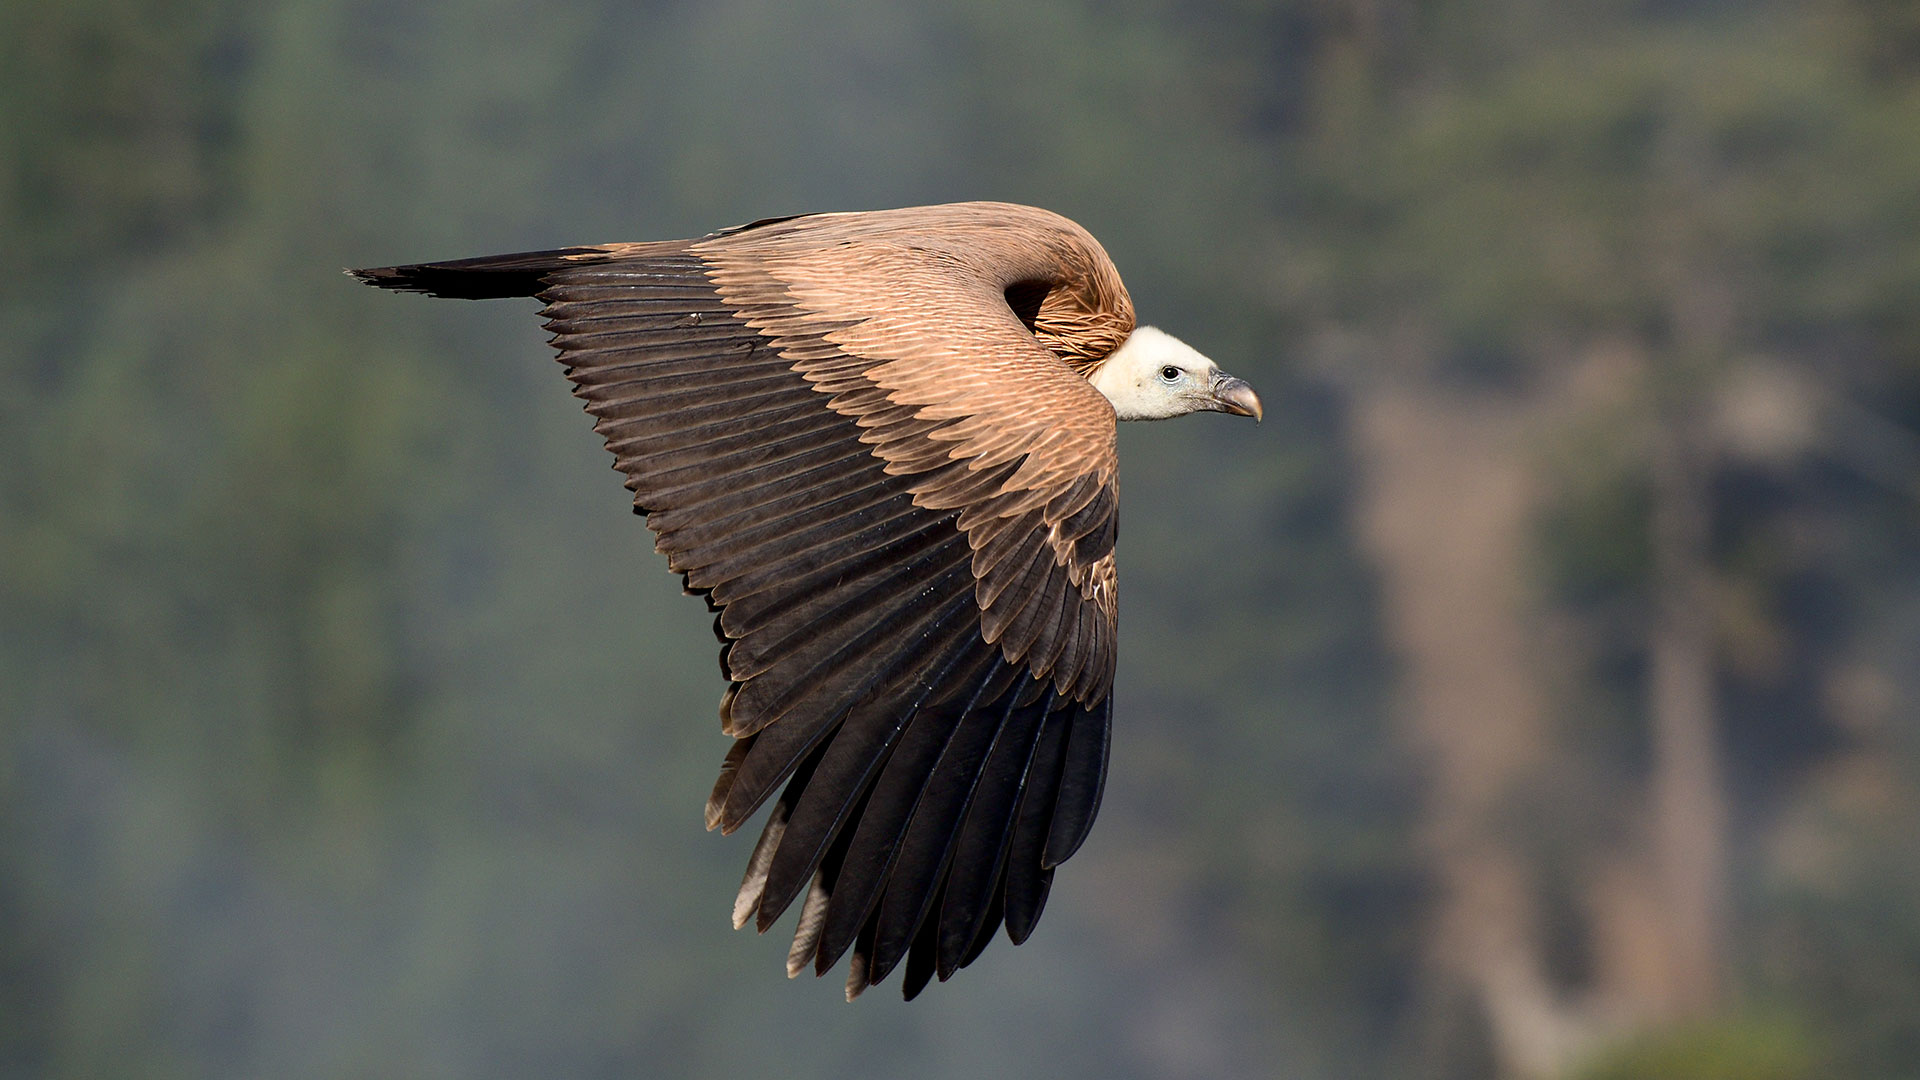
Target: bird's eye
{"points": [[1169, 374]]}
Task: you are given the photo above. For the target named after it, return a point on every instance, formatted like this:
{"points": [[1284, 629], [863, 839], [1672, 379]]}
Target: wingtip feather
{"points": [[753, 886], [857, 976], [813, 919]]}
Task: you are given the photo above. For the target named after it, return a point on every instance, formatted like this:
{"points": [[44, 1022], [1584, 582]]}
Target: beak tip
{"points": [[1236, 397]]}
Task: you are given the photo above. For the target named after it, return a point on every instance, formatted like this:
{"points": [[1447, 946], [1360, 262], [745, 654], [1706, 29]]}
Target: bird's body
{"points": [[882, 446]]}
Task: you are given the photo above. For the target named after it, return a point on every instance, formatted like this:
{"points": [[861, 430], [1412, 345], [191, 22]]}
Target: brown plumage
{"points": [[870, 441]]}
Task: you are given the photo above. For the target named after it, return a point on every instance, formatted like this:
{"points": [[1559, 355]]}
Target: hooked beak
{"points": [[1231, 395]]}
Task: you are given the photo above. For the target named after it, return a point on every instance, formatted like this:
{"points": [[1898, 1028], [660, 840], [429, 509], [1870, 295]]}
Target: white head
{"points": [[1154, 375]]}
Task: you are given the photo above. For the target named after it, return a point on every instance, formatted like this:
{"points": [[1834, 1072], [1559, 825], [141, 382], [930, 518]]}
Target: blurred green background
{"points": [[1538, 696]]}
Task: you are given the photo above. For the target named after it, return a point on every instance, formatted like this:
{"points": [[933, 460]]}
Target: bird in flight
{"points": [[881, 445]]}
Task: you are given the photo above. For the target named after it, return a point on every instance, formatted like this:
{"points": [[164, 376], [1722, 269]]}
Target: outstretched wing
{"points": [[901, 505]]}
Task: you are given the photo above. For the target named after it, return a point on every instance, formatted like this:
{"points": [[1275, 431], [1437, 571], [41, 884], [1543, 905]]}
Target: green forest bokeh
{"points": [[350, 727]]}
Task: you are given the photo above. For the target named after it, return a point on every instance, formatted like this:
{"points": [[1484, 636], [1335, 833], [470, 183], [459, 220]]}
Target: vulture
{"points": [[881, 446]]}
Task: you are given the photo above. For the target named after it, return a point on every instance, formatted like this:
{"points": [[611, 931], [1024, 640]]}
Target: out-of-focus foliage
{"points": [[348, 727], [1739, 1048], [121, 127]]}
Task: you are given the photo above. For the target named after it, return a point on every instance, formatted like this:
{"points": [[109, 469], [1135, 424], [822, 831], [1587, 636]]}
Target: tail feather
{"points": [[488, 278]]}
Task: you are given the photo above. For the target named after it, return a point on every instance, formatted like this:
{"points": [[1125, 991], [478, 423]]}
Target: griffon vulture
{"points": [[881, 446]]}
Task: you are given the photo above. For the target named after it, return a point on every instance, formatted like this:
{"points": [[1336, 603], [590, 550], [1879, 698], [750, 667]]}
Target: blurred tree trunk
{"points": [[1689, 824], [1689, 804], [1446, 513]]}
